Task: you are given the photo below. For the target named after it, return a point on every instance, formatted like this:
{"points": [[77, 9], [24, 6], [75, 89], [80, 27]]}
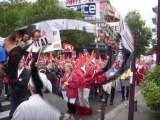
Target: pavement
{"points": [[143, 112], [118, 111]]}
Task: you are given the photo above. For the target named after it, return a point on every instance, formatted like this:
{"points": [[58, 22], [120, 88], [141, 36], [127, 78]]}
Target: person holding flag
{"points": [[69, 86]]}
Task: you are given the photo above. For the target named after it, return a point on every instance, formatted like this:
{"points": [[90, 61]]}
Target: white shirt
{"points": [[20, 71], [36, 108]]}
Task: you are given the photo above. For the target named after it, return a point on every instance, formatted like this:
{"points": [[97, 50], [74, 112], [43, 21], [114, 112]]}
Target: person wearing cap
{"points": [[36, 108]]}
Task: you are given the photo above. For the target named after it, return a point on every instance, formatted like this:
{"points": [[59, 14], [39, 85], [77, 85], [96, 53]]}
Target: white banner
{"points": [[114, 26], [50, 32]]}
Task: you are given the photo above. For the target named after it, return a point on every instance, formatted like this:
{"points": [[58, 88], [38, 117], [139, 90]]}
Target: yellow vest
{"points": [[125, 74]]}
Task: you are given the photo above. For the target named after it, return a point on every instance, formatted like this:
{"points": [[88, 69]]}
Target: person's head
{"points": [[110, 41], [42, 77], [21, 64], [102, 36], [10, 42], [25, 38], [51, 67], [68, 67], [31, 87], [42, 69], [36, 34], [101, 65]]}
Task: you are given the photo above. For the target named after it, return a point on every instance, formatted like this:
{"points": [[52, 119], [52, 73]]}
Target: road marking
{"points": [[4, 114]]}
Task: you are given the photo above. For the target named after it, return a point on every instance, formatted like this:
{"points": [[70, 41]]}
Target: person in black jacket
{"points": [[15, 54], [52, 77]]}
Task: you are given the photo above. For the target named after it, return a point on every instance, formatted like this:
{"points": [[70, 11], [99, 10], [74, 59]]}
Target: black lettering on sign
{"points": [[42, 42], [116, 28], [46, 41], [35, 44]]}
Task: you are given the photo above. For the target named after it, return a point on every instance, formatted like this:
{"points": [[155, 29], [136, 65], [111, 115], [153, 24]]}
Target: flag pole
{"points": [[132, 84], [39, 54]]}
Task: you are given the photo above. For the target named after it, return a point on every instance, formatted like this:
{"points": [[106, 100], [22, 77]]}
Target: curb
{"points": [[112, 114]]}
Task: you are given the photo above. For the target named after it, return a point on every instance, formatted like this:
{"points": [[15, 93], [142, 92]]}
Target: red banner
{"points": [[67, 47]]}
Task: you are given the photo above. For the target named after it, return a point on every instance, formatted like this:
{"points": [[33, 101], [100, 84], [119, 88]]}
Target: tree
{"points": [[150, 89], [139, 28], [77, 38], [20, 13]]}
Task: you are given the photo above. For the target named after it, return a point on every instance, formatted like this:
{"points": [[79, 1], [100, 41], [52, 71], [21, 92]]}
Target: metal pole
{"points": [[132, 85], [158, 34], [102, 109]]}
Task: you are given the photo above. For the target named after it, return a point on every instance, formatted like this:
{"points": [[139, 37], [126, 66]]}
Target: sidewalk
{"points": [[121, 111]]}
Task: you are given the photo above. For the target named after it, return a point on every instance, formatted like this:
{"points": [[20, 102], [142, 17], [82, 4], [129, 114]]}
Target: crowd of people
{"points": [[75, 80]]}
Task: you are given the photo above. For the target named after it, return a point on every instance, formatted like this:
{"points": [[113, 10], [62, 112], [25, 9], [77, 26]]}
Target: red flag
{"points": [[80, 69], [92, 57], [80, 56], [100, 59], [62, 58], [50, 57], [107, 57], [29, 59], [67, 47]]}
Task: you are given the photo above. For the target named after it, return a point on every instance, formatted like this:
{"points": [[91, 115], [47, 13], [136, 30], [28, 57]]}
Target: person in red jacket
{"points": [[69, 83], [86, 83]]}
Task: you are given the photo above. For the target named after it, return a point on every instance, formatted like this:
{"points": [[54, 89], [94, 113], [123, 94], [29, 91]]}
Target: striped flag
{"points": [[126, 36]]}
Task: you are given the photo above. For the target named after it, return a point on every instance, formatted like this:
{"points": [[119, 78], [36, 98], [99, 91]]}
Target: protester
{"points": [[24, 41], [21, 90], [36, 34], [69, 85], [125, 84], [102, 37], [15, 54], [52, 77], [36, 108], [1, 85], [103, 95], [5, 80], [110, 73]]}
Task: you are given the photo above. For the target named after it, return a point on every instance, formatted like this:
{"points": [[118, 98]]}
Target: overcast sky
{"points": [[143, 6]]}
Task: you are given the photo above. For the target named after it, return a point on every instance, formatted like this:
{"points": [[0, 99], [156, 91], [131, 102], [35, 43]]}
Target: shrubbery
{"points": [[151, 89]]}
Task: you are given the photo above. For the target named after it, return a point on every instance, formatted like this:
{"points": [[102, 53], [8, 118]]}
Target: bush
{"points": [[151, 89]]}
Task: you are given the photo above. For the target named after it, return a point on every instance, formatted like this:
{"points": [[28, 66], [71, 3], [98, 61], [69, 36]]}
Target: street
{"points": [[95, 104]]}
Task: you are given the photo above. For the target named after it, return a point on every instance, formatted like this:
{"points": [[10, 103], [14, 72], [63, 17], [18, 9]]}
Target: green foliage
{"points": [[20, 13], [151, 89], [77, 38], [139, 28]]}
